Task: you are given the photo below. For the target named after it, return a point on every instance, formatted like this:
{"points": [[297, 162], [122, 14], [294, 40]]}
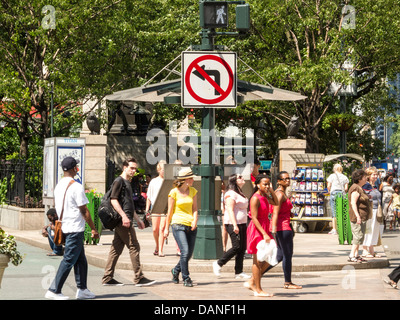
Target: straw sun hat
{"points": [[185, 173]]}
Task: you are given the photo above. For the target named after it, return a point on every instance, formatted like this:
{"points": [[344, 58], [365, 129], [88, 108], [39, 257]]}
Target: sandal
{"points": [[262, 294], [291, 286], [155, 252], [353, 259], [361, 259]]}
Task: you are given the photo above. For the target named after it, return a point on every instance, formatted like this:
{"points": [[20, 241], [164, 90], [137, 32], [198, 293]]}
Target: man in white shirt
{"points": [[75, 215]]}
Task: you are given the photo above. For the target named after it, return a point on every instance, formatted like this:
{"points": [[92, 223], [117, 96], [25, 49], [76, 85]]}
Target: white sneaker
{"points": [[242, 276], [216, 268], [55, 296], [85, 294]]}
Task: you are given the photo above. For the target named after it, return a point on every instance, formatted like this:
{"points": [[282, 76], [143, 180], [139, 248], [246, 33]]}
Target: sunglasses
{"points": [[287, 179]]}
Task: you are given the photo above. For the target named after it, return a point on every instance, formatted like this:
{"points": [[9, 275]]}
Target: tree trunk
{"points": [[24, 139]]}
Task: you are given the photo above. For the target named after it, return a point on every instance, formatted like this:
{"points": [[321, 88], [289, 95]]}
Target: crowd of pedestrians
{"points": [[263, 218], [247, 221]]}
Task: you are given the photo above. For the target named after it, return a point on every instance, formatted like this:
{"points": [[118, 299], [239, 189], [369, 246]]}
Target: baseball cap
{"points": [[69, 163]]}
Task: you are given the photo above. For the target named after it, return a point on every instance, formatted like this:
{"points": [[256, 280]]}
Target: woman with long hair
{"points": [[282, 230], [258, 230], [373, 228], [235, 221], [182, 216], [157, 220]]}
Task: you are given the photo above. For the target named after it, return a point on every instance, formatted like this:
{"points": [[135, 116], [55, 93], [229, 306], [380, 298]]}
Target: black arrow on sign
{"points": [[211, 73]]}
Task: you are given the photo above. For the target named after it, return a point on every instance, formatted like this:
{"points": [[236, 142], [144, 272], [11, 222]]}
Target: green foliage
{"points": [[3, 191], [8, 246], [99, 47], [349, 165], [339, 121]]}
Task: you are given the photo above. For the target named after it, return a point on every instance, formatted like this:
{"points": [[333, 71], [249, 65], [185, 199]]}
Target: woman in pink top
{"points": [[258, 230], [282, 230], [235, 221]]}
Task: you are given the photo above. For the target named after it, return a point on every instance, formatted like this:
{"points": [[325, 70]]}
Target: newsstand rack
{"points": [[308, 189]]}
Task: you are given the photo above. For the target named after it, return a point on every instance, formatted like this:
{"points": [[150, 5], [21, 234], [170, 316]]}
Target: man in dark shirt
{"points": [[124, 234]]}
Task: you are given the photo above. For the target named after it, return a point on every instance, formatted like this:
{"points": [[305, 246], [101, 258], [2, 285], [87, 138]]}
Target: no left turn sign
{"points": [[209, 79]]}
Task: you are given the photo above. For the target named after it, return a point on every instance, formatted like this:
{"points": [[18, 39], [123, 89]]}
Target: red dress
{"points": [[253, 235]]}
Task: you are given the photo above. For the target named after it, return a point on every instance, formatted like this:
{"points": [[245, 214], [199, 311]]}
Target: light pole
{"points": [[209, 237], [52, 112]]}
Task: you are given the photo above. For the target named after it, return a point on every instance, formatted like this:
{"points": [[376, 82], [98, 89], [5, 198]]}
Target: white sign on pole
{"points": [[209, 79]]}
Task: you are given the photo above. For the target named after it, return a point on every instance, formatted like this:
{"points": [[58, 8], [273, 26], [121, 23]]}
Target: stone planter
{"points": [[4, 259]]}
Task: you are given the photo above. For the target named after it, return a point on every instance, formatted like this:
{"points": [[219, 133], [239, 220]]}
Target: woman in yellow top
{"points": [[182, 216]]}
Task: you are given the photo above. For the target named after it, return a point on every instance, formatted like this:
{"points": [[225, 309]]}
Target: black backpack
{"points": [[107, 214]]}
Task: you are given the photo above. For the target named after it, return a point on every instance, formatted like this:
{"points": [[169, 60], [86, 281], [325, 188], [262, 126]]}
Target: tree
{"points": [[300, 45], [87, 49]]}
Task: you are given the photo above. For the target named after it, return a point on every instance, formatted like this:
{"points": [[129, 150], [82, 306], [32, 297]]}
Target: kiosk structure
{"points": [[55, 150], [308, 192]]}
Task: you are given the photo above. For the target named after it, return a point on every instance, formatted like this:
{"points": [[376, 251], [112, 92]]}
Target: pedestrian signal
{"points": [[214, 14], [243, 17]]}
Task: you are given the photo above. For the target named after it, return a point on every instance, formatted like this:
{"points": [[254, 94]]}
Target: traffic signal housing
{"points": [[243, 17], [214, 14]]}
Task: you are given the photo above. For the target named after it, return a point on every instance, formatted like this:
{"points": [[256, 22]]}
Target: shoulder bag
{"points": [[59, 237]]}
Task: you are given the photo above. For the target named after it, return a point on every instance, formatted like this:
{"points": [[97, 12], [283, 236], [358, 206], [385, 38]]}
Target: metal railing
{"points": [[24, 183]]}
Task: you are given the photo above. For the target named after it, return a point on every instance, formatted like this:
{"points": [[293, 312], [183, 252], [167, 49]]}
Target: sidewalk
{"points": [[312, 252]]}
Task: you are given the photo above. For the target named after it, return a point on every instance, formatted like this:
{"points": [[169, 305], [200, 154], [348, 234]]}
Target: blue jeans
{"points": [[74, 256], [185, 238], [333, 202], [56, 249], [285, 252]]}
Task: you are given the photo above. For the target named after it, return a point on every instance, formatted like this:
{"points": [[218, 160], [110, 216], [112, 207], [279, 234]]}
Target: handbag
{"points": [[146, 219], [59, 237], [379, 214], [107, 214]]}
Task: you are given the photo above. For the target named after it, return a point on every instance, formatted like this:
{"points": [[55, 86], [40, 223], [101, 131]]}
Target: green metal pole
{"points": [[209, 239]]}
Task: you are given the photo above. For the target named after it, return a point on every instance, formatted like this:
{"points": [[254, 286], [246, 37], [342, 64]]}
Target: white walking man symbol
{"points": [[220, 15]]}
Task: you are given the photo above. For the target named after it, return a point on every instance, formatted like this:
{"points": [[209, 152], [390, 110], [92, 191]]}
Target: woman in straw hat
{"points": [[182, 216]]}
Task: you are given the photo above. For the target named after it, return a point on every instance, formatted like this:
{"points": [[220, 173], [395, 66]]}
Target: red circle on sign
{"points": [[195, 65]]}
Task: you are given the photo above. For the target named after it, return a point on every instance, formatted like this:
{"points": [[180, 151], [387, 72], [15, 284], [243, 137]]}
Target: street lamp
{"points": [[51, 103]]}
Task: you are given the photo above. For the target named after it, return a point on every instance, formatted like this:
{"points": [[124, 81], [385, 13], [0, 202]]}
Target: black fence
{"points": [[21, 183]]}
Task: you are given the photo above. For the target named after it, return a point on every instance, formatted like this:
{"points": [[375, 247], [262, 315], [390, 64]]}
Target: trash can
{"points": [[342, 218], [93, 206]]}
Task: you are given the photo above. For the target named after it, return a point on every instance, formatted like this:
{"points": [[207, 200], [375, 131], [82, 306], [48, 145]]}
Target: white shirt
{"points": [[239, 208], [73, 220], [153, 189], [337, 181]]}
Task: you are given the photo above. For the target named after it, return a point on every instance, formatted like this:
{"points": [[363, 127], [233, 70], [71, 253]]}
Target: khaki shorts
{"points": [[358, 231]]}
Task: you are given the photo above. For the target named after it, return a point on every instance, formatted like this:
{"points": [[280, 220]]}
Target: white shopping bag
{"points": [[267, 252]]}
